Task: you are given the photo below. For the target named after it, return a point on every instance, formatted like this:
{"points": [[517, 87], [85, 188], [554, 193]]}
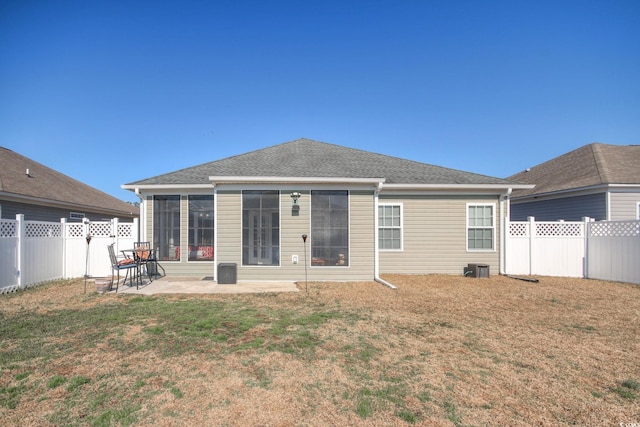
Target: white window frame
{"points": [[401, 228], [638, 211], [491, 227]]}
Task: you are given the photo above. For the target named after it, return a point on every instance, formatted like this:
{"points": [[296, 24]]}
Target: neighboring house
{"points": [[599, 181], [364, 213], [43, 194]]}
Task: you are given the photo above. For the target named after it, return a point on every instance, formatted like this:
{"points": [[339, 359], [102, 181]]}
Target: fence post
{"points": [[63, 221], [21, 233], [136, 230], [506, 235], [532, 233], [114, 235], [585, 265]]}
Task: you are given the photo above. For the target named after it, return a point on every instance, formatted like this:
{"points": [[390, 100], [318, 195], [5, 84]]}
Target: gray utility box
{"points": [[477, 270], [227, 273]]}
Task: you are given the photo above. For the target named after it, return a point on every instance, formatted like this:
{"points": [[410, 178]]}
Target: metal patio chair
{"points": [[127, 264]]}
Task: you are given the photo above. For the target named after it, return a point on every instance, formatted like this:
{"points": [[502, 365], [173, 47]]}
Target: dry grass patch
{"points": [[439, 350]]}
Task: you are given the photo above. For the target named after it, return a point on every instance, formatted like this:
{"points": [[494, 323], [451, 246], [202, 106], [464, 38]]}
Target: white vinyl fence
{"points": [[613, 251], [607, 250], [33, 252]]}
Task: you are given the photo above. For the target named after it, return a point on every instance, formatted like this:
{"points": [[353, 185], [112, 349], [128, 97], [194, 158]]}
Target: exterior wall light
{"points": [[295, 208]]}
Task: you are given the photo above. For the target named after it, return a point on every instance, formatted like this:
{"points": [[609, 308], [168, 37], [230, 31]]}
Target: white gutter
{"points": [[135, 187], [142, 224], [503, 231], [575, 190], [493, 187], [376, 262], [60, 204]]}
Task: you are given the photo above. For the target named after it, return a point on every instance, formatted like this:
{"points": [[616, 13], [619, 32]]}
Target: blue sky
{"points": [[110, 92]]}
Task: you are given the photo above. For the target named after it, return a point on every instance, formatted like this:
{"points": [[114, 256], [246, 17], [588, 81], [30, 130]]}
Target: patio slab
{"points": [[197, 285]]}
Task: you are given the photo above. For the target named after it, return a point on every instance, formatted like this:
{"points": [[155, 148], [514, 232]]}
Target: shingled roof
{"points": [[306, 158], [590, 165], [45, 186]]}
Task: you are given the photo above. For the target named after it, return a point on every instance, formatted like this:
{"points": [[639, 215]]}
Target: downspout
{"points": [[376, 262], [503, 231], [215, 231], [142, 223]]}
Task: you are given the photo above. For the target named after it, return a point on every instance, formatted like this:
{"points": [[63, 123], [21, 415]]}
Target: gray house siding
{"points": [[10, 209], [624, 205], [434, 233], [567, 208]]}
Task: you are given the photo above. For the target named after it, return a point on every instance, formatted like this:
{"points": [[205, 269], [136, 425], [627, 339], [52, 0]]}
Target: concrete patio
{"points": [[201, 285]]}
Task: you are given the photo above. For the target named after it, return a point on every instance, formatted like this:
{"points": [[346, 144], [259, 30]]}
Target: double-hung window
{"points": [[260, 227], [166, 227], [481, 227], [390, 227], [330, 228]]}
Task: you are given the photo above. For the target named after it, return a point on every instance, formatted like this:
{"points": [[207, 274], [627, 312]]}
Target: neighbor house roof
{"points": [[47, 187], [588, 166], [304, 158]]}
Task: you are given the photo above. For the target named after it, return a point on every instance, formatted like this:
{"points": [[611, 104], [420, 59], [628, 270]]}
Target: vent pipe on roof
{"points": [[27, 173]]}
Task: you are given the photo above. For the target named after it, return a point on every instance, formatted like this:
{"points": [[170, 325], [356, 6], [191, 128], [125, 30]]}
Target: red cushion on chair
{"points": [[142, 253]]}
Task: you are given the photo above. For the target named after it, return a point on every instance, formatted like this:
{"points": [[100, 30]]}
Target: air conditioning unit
{"points": [[476, 270], [227, 273]]}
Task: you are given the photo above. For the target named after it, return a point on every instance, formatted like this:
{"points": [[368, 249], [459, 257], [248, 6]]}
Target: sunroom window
{"points": [[201, 228], [329, 228], [166, 227], [260, 228]]}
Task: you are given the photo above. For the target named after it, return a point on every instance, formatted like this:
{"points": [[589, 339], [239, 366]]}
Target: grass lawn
{"points": [[439, 350]]}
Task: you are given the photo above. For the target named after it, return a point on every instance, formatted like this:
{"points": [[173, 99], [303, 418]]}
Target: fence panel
{"points": [[558, 249], [614, 251], [8, 255], [517, 248], [43, 252], [92, 258], [546, 248]]}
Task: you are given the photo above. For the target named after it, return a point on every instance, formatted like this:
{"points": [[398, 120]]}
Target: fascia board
{"points": [[456, 187], [626, 186], [560, 193], [134, 187], [574, 192]]}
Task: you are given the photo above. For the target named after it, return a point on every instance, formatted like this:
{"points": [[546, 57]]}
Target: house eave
{"points": [[576, 191], [39, 201], [456, 188], [135, 187]]}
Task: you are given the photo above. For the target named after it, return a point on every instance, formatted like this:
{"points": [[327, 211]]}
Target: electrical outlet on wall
{"points": [[294, 259]]}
